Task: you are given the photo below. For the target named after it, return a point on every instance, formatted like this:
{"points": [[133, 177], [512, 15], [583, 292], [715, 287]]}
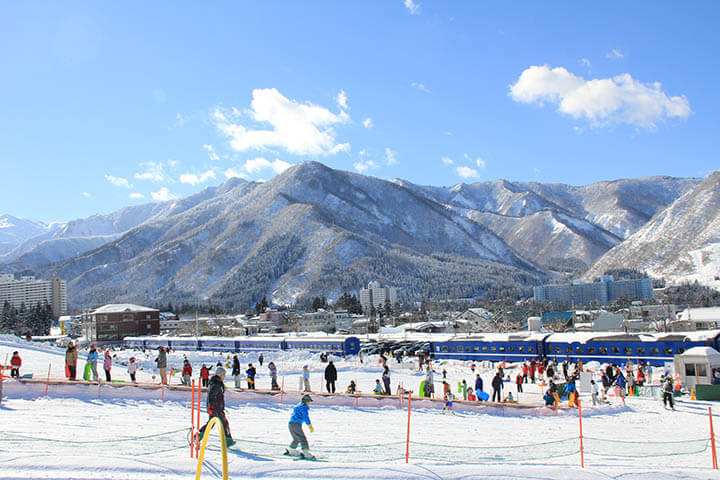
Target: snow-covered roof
{"points": [[708, 314], [701, 352], [123, 308]]}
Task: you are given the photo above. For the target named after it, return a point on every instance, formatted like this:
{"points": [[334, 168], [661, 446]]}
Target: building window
{"points": [[689, 370]]}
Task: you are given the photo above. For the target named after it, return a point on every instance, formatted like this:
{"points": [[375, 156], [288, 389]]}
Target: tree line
{"points": [[23, 321]]}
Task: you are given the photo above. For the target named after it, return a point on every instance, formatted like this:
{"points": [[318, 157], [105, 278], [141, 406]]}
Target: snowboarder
{"points": [[92, 359], [330, 377], [132, 368], [204, 375], [216, 404], [386, 380], [71, 356], [497, 384], [668, 393], [15, 364], [299, 416], [161, 361], [273, 376], [236, 371], [186, 372], [250, 373], [306, 378], [107, 365]]}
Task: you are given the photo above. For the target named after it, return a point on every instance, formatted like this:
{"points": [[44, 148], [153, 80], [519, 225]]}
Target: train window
{"points": [[668, 351], [444, 349], [615, 350], [460, 348], [602, 350], [501, 349], [627, 351], [511, 349], [493, 349], [591, 350], [578, 349], [437, 349], [521, 349], [568, 349], [452, 348], [681, 350], [558, 349], [484, 348], [640, 351], [476, 348], [531, 349], [654, 351]]}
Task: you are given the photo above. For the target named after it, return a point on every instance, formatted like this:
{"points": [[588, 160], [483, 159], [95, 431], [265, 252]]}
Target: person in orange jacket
{"points": [[186, 372], [204, 375], [15, 364]]}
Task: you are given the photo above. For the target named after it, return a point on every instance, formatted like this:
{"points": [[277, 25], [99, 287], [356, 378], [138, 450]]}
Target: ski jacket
{"points": [[668, 387], [273, 370], [107, 361], [236, 367], [525, 369], [204, 372], [187, 369], [161, 359], [497, 382], [92, 356], [216, 396], [330, 373], [594, 388], [16, 361], [132, 367], [250, 372], [620, 380], [429, 376], [478, 384], [300, 414], [71, 356]]}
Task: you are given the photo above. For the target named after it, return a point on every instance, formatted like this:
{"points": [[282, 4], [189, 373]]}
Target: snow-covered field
{"points": [[101, 431]]}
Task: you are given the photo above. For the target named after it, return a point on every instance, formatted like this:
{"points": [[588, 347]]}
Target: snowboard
{"points": [[87, 372], [482, 396], [67, 371], [422, 388]]}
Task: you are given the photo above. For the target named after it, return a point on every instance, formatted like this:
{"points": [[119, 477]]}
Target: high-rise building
{"points": [[375, 295], [602, 292], [30, 292]]}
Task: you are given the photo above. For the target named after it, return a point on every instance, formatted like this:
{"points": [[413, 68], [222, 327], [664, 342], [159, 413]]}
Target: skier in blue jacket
{"points": [[299, 416]]}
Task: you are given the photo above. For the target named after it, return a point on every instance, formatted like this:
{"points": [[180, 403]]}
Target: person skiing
{"points": [[306, 378], [71, 356], [107, 365], [330, 377], [250, 373], [186, 372], [429, 387], [386, 380], [668, 392], [15, 364], [92, 359], [236, 371], [273, 376], [300, 415], [216, 404], [497, 384], [161, 362], [204, 375], [132, 368]]}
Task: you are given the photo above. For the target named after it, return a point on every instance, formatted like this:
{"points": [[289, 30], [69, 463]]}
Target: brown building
{"points": [[114, 322]]}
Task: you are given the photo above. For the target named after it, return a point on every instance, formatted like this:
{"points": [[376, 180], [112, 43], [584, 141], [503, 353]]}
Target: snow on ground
{"points": [[101, 431]]}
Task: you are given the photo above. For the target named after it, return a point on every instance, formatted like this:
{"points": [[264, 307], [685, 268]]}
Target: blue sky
{"points": [[107, 104]]}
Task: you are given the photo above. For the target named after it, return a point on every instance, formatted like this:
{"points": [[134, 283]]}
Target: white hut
{"points": [[699, 366]]}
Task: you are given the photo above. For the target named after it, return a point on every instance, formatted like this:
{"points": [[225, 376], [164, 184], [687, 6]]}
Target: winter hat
{"points": [[306, 399], [219, 371], [132, 359]]}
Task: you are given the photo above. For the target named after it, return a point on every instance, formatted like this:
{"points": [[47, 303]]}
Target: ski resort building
{"points": [[113, 322], [603, 292], [30, 292], [375, 295]]}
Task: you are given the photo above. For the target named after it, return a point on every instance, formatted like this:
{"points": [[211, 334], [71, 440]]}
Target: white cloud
{"points": [[179, 120], [235, 173], [257, 164], [365, 165], [413, 8], [614, 54], [154, 172], [162, 195], [448, 161], [419, 86], [341, 100], [602, 101], [211, 152], [193, 179], [173, 163], [118, 181], [137, 195], [585, 62], [478, 161], [390, 156], [368, 123], [467, 172], [301, 129], [86, 194]]}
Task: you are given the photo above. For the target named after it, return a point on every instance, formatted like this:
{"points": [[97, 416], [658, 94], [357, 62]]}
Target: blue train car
{"points": [[134, 342], [186, 344], [253, 344], [155, 342], [495, 347], [333, 345], [337, 345]]}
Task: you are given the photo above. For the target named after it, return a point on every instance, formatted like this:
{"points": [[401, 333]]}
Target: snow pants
{"points": [[71, 371], [93, 369], [238, 381], [298, 436], [274, 385], [107, 375], [496, 392], [330, 384], [668, 397], [15, 372], [386, 382], [223, 419]]}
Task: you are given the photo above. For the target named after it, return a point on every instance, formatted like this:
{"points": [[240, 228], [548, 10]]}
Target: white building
{"points": [[697, 319], [375, 295], [30, 292], [317, 321]]}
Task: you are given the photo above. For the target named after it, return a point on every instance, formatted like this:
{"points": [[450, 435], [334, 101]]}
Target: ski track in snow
{"points": [[90, 431]]}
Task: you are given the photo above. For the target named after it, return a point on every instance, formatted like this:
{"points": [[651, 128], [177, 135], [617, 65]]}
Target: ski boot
{"points": [[229, 441], [292, 452], [307, 455]]}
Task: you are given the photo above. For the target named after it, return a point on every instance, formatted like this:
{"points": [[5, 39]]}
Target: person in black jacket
{"points": [[497, 384], [216, 403], [330, 377], [236, 372]]}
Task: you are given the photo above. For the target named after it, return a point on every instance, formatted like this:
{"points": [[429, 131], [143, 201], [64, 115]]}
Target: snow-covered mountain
{"points": [[682, 242], [14, 231]]}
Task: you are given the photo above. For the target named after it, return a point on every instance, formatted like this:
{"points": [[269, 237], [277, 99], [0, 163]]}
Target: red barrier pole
{"points": [[712, 441], [47, 382], [192, 419], [407, 439], [197, 432], [582, 451]]}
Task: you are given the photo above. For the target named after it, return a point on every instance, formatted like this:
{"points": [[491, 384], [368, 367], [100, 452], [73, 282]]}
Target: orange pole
{"points": [[712, 440], [582, 451], [47, 382], [197, 432], [407, 439], [192, 419]]}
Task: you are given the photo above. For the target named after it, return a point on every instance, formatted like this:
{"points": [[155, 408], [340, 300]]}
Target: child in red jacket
{"points": [[15, 363]]}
